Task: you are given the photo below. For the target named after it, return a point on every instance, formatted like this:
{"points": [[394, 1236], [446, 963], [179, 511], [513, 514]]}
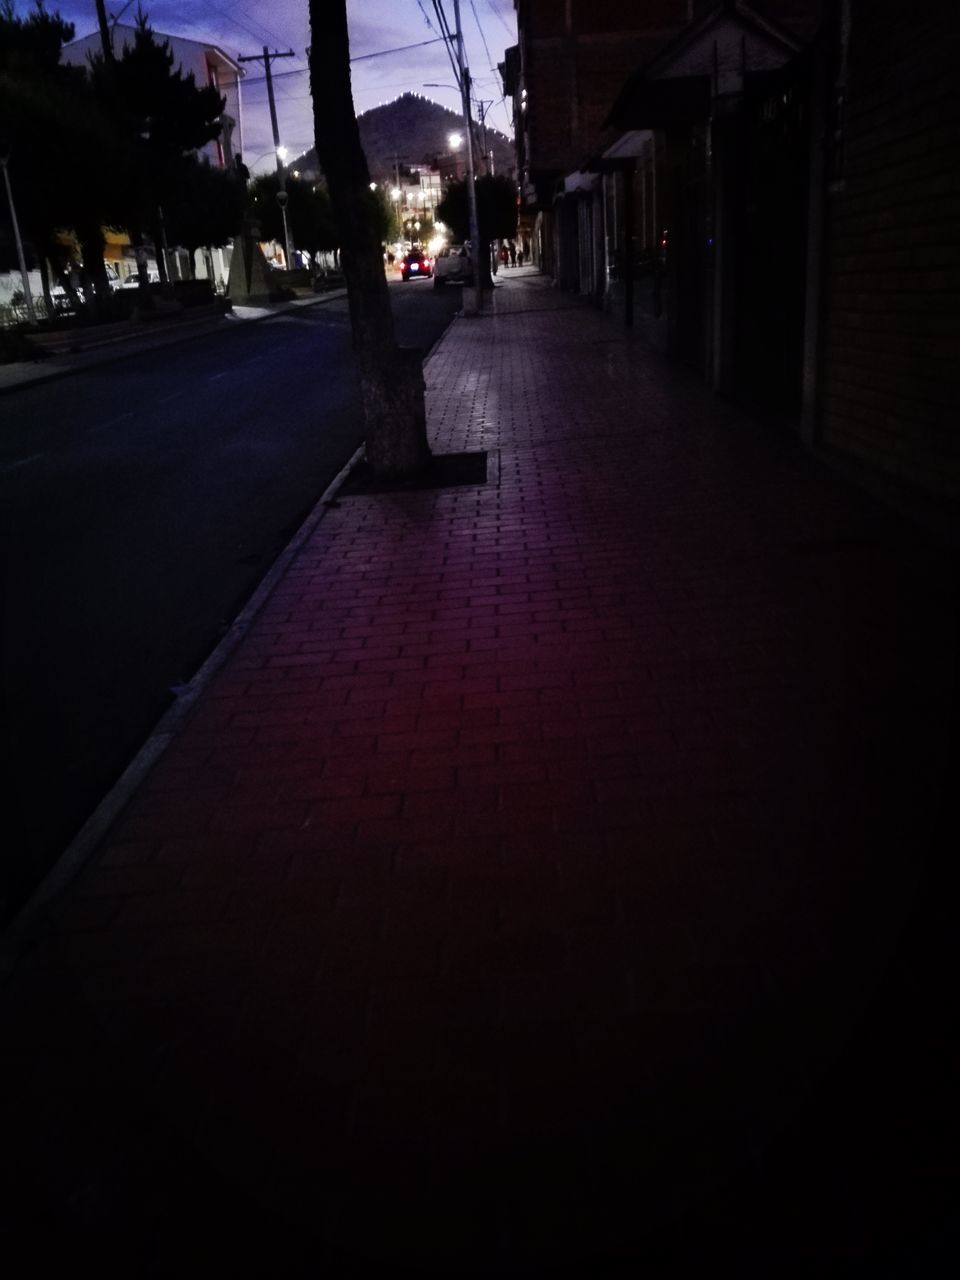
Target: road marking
{"points": [[21, 462], [112, 423]]}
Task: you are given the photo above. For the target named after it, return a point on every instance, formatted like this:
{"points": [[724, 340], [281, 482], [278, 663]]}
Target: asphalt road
{"points": [[142, 502]]}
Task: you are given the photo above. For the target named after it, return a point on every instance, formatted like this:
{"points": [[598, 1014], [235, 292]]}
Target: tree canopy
{"points": [[161, 117], [59, 138], [309, 213], [496, 209], [205, 207], [108, 145]]}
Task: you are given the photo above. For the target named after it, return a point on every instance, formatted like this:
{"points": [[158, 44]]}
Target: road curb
{"points": [[26, 926], [157, 341], [21, 933]]}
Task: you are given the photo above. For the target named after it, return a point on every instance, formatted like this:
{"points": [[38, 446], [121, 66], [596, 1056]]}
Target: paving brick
{"points": [[522, 816]]}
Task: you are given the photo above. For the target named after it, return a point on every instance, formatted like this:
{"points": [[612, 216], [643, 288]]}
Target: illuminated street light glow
{"points": [[454, 140]]}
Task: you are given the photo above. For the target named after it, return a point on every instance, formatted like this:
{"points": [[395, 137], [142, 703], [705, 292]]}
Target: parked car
{"points": [[416, 266], [133, 280], [453, 266]]}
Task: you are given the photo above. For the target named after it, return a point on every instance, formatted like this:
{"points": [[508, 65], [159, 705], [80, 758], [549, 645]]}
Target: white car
{"points": [[452, 265], [133, 281]]}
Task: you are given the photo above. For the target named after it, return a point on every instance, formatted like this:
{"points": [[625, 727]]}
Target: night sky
{"points": [[244, 26]]}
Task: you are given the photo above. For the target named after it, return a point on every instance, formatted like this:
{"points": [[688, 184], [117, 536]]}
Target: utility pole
{"points": [[105, 40], [266, 57], [396, 185], [471, 184], [482, 108]]}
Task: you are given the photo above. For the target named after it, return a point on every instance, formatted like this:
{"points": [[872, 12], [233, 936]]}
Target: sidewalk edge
{"points": [[17, 936], [16, 939]]}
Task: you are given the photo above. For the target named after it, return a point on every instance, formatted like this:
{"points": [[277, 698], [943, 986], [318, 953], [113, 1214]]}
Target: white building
{"points": [[209, 66]]}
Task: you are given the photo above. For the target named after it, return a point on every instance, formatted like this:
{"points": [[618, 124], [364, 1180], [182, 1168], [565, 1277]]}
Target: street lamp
{"points": [[282, 199]]}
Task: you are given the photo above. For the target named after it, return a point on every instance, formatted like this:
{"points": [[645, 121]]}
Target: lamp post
{"points": [[27, 295], [464, 78], [282, 199], [455, 142]]}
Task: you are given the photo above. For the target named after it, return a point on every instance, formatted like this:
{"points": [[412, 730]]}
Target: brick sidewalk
{"points": [[510, 901]]}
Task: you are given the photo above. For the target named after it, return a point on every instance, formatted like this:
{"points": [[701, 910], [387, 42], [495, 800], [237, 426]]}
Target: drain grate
{"points": [[443, 471]]}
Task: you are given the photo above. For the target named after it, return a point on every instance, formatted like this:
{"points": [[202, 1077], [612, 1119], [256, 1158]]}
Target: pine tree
{"points": [[163, 117]]}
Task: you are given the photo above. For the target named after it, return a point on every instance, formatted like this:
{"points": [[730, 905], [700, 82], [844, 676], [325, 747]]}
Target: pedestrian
{"points": [[504, 254], [513, 254], [520, 254]]}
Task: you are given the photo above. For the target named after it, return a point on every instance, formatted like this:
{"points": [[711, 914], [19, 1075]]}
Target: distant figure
{"points": [[513, 254], [504, 254], [520, 254]]}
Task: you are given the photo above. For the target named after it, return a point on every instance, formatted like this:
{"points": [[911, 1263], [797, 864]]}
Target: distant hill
{"points": [[415, 129]]}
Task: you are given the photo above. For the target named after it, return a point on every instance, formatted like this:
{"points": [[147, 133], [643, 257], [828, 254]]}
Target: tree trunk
{"points": [[162, 265], [92, 245], [391, 380], [45, 283], [144, 292]]}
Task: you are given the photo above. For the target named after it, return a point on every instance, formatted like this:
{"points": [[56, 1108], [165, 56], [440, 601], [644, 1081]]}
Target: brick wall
{"points": [[577, 55], [891, 337]]}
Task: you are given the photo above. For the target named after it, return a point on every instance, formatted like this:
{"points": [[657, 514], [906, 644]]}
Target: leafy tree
{"points": [[423, 233], [389, 226], [496, 213], [206, 207], [309, 213], [62, 146], [163, 117], [391, 381]]}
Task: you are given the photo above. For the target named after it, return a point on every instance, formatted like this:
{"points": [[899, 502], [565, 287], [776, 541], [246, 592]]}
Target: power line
{"points": [[272, 34], [476, 18], [258, 36], [302, 71], [276, 75], [426, 16], [448, 39], [400, 49], [498, 14]]}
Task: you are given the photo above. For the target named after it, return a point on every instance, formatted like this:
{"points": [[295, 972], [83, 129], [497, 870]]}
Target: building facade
{"points": [[883, 352], [206, 63], [769, 192]]}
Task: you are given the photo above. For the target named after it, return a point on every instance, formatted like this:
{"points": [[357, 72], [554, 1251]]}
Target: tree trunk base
{"points": [[397, 420]]}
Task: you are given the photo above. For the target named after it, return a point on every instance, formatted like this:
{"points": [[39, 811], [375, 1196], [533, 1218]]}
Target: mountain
{"points": [[414, 129]]}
